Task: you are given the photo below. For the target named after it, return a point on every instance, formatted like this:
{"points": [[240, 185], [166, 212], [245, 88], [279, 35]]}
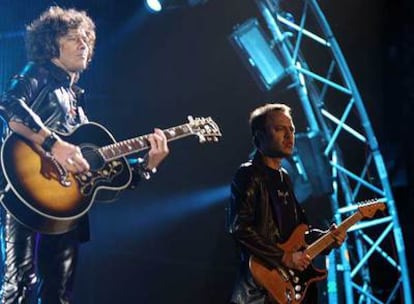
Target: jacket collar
{"points": [[59, 74], [257, 161]]}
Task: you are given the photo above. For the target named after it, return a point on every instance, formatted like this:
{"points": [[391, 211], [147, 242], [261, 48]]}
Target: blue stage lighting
{"points": [[158, 212], [255, 49], [153, 5], [158, 5]]}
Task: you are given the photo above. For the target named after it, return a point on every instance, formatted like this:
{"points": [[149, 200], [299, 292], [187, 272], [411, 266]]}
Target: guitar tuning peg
{"points": [[190, 118], [202, 139]]}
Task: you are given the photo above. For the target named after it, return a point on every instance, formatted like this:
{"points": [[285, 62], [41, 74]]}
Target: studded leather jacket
{"points": [[254, 226]]}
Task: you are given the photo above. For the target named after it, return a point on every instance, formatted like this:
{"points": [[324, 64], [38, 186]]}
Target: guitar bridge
{"points": [[62, 173]]}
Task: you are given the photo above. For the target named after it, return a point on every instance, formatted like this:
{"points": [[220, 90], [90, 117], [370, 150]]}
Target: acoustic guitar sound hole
{"points": [[91, 154]]}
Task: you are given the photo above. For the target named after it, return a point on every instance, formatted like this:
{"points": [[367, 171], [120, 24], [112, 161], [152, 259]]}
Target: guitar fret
{"points": [[119, 148], [176, 131], [128, 145], [170, 133], [139, 143]]}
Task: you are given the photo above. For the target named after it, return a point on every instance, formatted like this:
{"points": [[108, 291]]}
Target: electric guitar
{"points": [[42, 195], [288, 286]]}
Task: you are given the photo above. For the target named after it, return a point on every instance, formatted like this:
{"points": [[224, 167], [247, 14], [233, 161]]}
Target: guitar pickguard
{"points": [[299, 281], [90, 180]]}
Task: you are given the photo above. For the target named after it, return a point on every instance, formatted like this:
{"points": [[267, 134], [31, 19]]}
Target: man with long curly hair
{"points": [[41, 102]]}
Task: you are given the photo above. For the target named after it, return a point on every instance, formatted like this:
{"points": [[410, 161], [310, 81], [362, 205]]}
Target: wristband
{"points": [[49, 142]]}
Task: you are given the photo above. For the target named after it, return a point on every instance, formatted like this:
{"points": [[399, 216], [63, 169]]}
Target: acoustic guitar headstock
{"points": [[205, 128]]}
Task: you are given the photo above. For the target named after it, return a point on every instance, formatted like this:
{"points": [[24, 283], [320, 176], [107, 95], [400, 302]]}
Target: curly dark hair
{"points": [[43, 33]]}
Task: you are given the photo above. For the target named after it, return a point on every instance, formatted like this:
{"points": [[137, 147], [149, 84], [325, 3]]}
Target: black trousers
{"points": [[37, 268]]}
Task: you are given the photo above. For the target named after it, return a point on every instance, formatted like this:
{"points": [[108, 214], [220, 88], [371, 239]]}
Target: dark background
{"points": [[166, 241]]}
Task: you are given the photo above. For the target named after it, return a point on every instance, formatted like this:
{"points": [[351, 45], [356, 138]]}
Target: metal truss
{"points": [[334, 108]]}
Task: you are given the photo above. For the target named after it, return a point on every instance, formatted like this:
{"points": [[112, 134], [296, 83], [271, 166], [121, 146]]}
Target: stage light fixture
{"points": [[156, 6], [256, 51], [153, 5], [308, 168]]}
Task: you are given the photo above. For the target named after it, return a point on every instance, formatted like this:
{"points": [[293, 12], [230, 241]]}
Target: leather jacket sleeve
{"points": [[14, 103], [249, 218]]}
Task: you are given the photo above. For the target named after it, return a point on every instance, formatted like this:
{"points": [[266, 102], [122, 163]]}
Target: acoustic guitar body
{"points": [[40, 199]]}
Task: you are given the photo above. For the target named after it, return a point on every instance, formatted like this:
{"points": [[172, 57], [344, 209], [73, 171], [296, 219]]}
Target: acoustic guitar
{"points": [[43, 196], [289, 286]]}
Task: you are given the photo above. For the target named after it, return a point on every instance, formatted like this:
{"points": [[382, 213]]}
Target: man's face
{"points": [[278, 138], [73, 51]]}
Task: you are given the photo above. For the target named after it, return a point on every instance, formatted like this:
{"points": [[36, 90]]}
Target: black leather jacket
{"points": [[43, 90], [254, 227]]}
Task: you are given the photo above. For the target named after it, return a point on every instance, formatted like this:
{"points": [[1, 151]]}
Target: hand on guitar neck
{"points": [[339, 235], [299, 260], [159, 149], [296, 260]]}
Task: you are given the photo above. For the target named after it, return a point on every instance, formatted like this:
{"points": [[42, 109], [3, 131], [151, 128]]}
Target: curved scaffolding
{"points": [[334, 110]]}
